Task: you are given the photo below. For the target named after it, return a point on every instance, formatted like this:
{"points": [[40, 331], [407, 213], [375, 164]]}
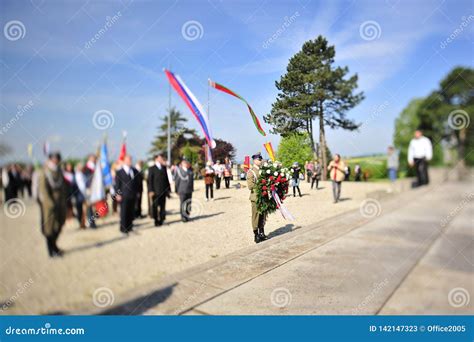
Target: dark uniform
{"points": [[258, 220], [52, 199], [126, 185]]}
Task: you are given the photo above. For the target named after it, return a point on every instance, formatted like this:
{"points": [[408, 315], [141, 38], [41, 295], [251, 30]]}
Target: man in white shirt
{"points": [[420, 151]]}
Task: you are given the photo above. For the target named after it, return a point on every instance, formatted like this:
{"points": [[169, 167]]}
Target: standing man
{"points": [[139, 176], [52, 196], [184, 183], [158, 189], [126, 189], [420, 152], [219, 169], [258, 220]]}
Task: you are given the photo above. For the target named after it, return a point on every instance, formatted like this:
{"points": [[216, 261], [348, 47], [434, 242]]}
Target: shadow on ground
{"points": [[140, 305]]}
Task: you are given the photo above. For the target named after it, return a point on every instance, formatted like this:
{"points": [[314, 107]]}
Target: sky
{"points": [[75, 71]]}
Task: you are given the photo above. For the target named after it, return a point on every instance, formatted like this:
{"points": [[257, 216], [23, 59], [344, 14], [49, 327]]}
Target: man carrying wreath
{"points": [[258, 220]]}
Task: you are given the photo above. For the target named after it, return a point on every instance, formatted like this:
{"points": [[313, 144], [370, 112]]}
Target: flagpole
{"points": [[208, 150], [169, 120]]}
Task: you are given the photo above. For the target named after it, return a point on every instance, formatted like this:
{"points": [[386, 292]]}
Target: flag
{"points": [[30, 150], [123, 148], [104, 161], [246, 164], [193, 104], [269, 148], [97, 185], [230, 92]]}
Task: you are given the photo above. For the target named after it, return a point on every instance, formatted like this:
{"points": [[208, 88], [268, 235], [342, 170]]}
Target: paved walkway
{"points": [[412, 254]]}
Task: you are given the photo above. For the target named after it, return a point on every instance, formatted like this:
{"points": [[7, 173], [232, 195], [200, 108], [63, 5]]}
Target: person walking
{"points": [[295, 178], [184, 185], [219, 170], [227, 172], [336, 174], [420, 152], [52, 195], [126, 191], [158, 189], [208, 175], [258, 220], [316, 175]]}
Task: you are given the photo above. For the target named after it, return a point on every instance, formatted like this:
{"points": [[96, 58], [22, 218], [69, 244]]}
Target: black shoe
{"points": [[158, 223], [261, 234], [257, 238]]}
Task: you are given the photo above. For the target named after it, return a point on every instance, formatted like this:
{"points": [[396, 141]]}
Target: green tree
{"points": [[294, 148], [180, 136], [222, 150], [314, 88]]}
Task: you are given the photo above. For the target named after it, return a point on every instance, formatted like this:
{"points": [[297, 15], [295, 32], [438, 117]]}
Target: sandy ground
{"points": [[32, 283]]}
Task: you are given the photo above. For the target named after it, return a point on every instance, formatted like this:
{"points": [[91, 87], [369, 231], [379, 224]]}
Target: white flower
{"points": [[265, 165], [282, 174], [268, 171], [292, 170], [275, 173]]}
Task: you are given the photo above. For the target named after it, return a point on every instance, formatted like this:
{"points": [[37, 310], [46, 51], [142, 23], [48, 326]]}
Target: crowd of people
{"points": [[63, 191]]}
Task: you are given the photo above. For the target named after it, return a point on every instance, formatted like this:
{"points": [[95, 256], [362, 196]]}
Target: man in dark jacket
{"points": [[126, 189], [158, 189], [184, 182], [139, 176]]}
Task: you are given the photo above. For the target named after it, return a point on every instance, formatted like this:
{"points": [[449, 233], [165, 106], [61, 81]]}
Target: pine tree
{"points": [[314, 88]]}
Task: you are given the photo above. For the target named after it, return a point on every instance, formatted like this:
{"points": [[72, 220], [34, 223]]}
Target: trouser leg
{"points": [[334, 190], [255, 216]]}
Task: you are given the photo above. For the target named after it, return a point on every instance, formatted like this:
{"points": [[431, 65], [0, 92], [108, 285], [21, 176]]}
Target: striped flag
{"points": [[193, 104], [230, 92]]}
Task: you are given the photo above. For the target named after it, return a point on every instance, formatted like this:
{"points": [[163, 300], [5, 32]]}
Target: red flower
{"points": [[264, 193], [264, 187], [272, 187], [271, 177], [263, 181]]}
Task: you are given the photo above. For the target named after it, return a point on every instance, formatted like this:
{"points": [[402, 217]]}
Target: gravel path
{"points": [[31, 283]]}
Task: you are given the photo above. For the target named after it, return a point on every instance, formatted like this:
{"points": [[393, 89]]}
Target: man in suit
{"points": [[139, 176], [258, 220], [184, 182], [126, 188], [158, 189]]}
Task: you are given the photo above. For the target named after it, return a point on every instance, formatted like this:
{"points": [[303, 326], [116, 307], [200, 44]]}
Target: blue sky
{"points": [[399, 49]]}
